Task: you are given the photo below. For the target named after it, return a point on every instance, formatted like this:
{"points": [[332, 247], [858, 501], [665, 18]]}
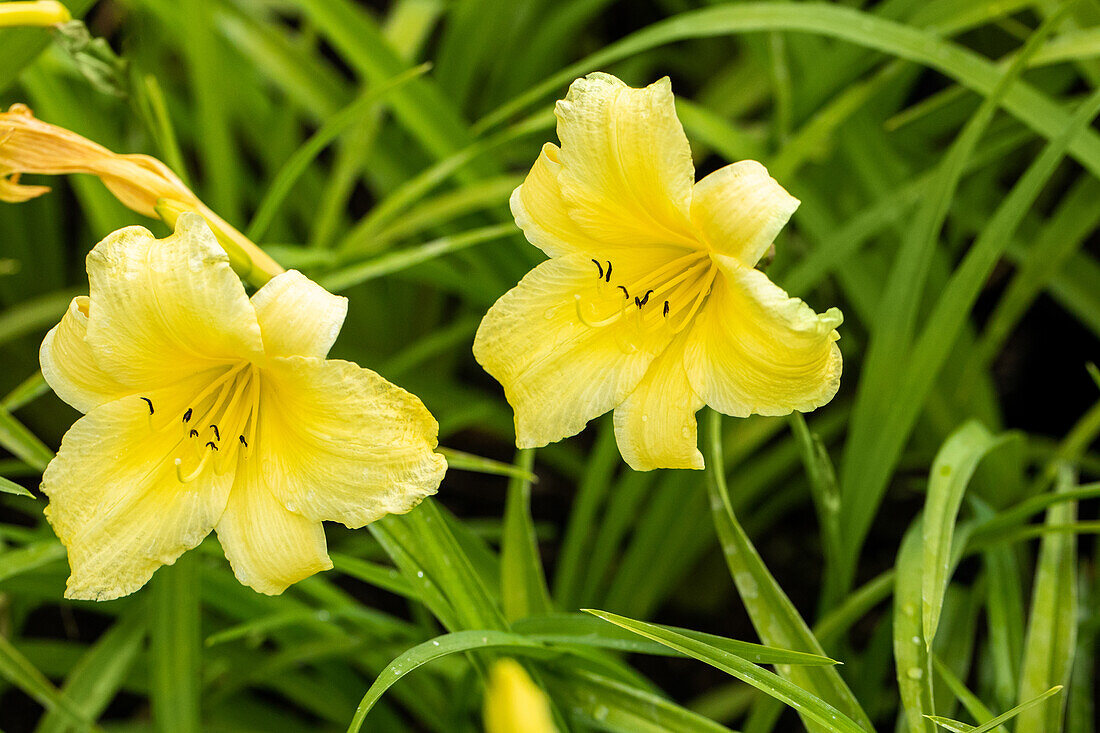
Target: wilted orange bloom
{"points": [[29, 145]]}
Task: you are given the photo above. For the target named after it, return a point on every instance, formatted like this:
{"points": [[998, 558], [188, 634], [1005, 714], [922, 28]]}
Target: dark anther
{"points": [[608, 278], [212, 446], [625, 294], [217, 435], [666, 308], [643, 300], [187, 415], [243, 441], [598, 267], [150, 404], [194, 433]]}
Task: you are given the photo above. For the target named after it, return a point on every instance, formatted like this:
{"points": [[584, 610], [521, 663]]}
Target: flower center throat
{"points": [[218, 426]]}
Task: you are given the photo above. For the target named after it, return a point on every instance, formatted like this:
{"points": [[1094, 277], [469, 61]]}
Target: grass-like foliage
{"points": [[930, 529]]}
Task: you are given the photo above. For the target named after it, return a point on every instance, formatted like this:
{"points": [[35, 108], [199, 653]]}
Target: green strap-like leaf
{"points": [[361, 272], [459, 461], [421, 654], [15, 437], [283, 181], [1052, 625], [599, 703], [176, 647], [807, 704], [96, 678], [773, 615], [954, 725], [7, 486], [951, 471], [911, 657], [16, 669], [29, 557], [579, 628], [522, 581]]}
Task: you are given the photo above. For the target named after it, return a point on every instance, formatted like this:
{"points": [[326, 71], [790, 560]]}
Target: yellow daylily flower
{"points": [[140, 182], [209, 410], [649, 304], [35, 13], [515, 704]]}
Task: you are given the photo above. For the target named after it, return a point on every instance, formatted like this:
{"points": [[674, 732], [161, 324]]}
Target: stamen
{"points": [[237, 412], [150, 404], [254, 413], [211, 445], [625, 293], [217, 435], [682, 264], [598, 267], [194, 433], [187, 415], [700, 297], [644, 299], [608, 279], [666, 309]]}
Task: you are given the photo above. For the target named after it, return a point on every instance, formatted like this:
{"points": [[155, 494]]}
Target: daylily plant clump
{"points": [[649, 304], [207, 410]]}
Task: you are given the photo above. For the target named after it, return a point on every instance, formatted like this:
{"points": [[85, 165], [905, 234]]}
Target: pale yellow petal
{"points": [[757, 350], [543, 214], [345, 444], [514, 703], [269, 547], [626, 169], [557, 371], [69, 366], [297, 316], [740, 209], [162, 310], [116, 501], [655, 426]]}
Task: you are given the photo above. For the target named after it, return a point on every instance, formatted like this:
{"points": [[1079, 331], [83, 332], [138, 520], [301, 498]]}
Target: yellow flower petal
{"points": [[69, 366], [557, 371], [655, 426], [297, 316], [515, 704], [348, 445], [757, 350], [165, 309], [739, 210], [626, 168], [543, 214], [116, 501], [269, 547]]}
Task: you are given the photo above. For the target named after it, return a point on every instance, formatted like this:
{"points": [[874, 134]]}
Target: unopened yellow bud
{"points": [[41, 13], [514, 703]]}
